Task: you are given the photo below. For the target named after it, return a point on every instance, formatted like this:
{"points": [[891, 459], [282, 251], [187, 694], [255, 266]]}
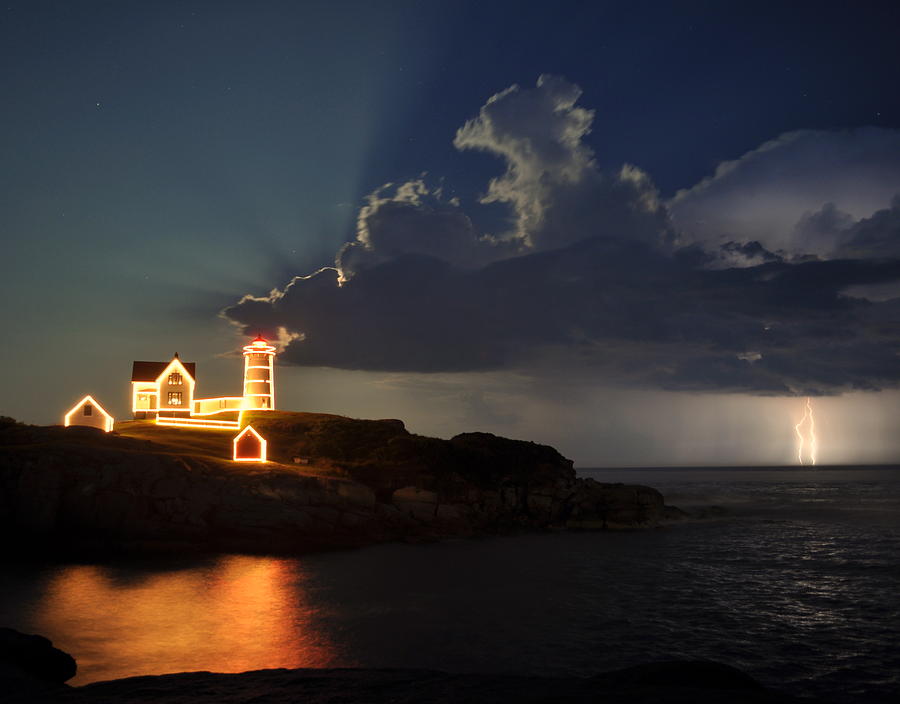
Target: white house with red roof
{"points": [[162, 388]]}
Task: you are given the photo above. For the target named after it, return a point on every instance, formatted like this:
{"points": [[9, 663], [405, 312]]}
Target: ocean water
{"points": [[795, 583]]}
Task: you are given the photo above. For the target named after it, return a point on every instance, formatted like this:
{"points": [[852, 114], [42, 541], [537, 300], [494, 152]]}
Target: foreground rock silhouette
{"points": [[30, 665], [32, 670], [354, 482], [678, 682]]}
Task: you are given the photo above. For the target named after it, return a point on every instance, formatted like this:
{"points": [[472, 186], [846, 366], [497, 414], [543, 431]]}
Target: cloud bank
{"points": [[754, 280], [766, 194]]}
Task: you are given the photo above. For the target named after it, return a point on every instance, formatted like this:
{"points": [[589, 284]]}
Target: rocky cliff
{"points": [[355, 482]]}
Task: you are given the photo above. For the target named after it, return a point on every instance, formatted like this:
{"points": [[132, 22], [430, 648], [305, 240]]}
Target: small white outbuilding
{"points": [[90, 413]]}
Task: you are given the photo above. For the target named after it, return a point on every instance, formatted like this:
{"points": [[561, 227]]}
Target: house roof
{"points": [[150, 371]]}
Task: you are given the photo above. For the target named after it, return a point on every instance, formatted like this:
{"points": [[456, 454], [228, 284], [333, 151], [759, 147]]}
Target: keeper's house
{"points": [[163, 387]]}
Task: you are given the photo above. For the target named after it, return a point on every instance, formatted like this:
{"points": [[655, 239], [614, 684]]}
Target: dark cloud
{"points": [[729, 254], [620, 309], [823, 229], [411, 218], [588, 278], [875, 236]]}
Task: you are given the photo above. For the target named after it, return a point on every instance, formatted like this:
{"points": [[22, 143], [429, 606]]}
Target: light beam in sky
{"points": [[806, 434]]}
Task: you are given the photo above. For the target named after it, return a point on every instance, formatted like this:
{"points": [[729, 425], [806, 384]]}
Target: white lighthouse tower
{"points": [[259, 375]]}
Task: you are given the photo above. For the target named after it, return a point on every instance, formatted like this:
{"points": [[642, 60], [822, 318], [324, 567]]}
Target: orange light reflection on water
{"points": [[238, 613]]}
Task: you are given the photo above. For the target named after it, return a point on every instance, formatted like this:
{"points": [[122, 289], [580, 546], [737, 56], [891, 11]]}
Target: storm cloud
{"points": [[595, 274], [553, 187], [769, 193]]}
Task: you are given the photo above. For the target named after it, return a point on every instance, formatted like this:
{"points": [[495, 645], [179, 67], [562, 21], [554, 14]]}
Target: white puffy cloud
{"points": [[552, 182], [556, 193], [539, 133]]}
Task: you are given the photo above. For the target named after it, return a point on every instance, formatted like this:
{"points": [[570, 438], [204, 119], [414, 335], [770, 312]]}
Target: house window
{"points": [[88, 409], [174, 398], [175, 379]]}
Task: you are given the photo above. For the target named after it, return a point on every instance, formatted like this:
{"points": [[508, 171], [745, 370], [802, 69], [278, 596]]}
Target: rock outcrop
{"points": [[362, 482], [30, 666], [31, 670], [674, 682]]}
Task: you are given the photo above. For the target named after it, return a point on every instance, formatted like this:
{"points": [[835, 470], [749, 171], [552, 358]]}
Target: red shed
{"points": [[249, 446]]}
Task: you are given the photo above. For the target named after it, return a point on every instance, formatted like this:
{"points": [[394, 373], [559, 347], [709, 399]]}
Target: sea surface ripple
{"points": [[794, 581]]}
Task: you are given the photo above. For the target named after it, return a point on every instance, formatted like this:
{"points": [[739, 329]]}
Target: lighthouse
{"points": [[259, 375]]}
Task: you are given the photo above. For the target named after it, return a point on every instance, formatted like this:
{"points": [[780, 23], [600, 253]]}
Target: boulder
{"points": [[34, 657]]}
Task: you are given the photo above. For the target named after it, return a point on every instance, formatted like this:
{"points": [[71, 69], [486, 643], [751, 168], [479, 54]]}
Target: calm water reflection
{"points": [[797, 588], [229, 615]]}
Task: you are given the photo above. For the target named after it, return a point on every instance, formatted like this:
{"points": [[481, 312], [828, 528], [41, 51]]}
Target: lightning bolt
{"points": [[810, 437]]}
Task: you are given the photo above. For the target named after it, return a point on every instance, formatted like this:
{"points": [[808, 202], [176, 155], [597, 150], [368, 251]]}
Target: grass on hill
{"points": [[284, 432], [379, 453], [373, 451]]}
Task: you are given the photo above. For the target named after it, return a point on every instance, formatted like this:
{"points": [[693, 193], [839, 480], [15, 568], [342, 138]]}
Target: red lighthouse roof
{"points": [[259, 345]]}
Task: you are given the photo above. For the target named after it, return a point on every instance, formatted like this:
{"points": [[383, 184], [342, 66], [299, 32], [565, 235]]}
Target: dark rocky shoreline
{"points": [[32, 670], [366, 482], [72, 491]]}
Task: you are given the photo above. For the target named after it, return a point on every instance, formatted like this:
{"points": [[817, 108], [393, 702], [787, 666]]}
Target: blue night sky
{"points": [[161, 161]]}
